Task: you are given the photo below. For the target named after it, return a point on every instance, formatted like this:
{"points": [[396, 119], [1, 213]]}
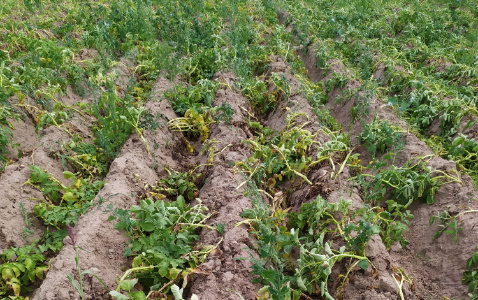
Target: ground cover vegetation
{"points": [[110, 54]]}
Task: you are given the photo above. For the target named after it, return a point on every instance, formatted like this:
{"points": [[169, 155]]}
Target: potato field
{"points": [[238, 149]]}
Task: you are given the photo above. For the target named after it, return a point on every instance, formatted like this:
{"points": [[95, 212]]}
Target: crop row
{"points": [[419, 58], [378, 56]]}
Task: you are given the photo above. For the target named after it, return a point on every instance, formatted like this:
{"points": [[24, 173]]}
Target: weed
{"points": [[220, 228], [447, 223], [78, 284], [148, 120], [27, 230], [112, 128], [362, 109], [226, 113], [337, 80], [6, 127]]}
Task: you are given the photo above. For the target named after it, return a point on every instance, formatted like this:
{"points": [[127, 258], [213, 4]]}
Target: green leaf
{"points": [[91, 273], [29, 263], [296, 295], [127, 251], [30, 275], [118, 296], [301, 284], [457, 141], [178, 293], [328, 250], [147, 226], [472, 261], [181, 202], [375, 229], [68, 175], [75, 284], [328, 296], [163, 268], [139, 295], [364, 264], [18, 268], [69, 196], [128, 285]]}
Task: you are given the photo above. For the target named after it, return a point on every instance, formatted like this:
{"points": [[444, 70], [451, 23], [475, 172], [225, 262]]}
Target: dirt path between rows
{"points": [[228, 276]]}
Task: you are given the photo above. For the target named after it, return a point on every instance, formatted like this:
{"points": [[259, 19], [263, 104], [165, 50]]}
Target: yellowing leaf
{"points": [[190, 148], [263, 293], [40, 272], [68, 196], [29, 263], [16, 287], [205, 133], [173, 273], [7, 274]]}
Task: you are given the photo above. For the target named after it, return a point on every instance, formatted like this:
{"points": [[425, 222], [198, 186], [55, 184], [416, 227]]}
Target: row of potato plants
{"points": [[41, 58], [430, 77]]}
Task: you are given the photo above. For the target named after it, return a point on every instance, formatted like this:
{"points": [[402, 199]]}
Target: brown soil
{"points": [[12, 189], [228, 276]]}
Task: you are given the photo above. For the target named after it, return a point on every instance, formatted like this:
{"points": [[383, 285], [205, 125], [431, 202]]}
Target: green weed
{"points": [[448, 223], [470, 276], [6, 135]]}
